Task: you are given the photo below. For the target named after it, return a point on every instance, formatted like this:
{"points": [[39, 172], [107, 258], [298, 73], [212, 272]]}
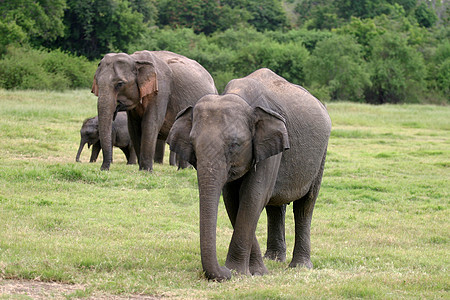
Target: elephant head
{"points": [[121, 82], [223, 137], [89, 134]]}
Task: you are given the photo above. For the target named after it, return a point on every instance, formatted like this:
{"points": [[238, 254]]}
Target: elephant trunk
{"points": [[82, 143], [210, 184], [106, 108]]}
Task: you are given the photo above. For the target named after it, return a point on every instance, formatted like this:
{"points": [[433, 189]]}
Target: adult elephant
{"points": [[263, 144], [152, 86]]}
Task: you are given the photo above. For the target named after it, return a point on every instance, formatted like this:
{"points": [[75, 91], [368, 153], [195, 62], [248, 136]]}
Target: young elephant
{"points": [[263, 144], [120, 137]]}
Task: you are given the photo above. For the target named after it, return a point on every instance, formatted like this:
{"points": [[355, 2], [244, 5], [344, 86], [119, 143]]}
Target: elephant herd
{"points": [[261, 144]]}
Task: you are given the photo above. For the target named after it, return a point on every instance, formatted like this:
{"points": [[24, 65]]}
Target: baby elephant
{"points": [[120, 137]]}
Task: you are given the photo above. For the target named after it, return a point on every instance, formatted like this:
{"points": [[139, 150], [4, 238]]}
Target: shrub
{"points": [[25, 68], [336, 69], [439, 69], [397, 71], [287, 60]]}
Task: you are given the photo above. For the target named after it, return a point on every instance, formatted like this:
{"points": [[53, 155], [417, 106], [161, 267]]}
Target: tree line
{"points": [[375, 51]]}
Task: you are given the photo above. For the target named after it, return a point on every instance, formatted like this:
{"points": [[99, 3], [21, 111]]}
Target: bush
{"points": [[25, 68], [439, 69], [287, 60], [336, 69], [397, 71]]}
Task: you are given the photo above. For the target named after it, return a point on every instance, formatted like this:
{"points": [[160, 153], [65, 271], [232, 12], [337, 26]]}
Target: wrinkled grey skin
{"points": [[120, 138], [152, 86], [262, 144]]}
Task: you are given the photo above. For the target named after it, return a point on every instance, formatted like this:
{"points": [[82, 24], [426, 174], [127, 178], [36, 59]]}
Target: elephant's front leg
{"points": [[244, 263], [244, 254], [257, 185], [152, 122]]}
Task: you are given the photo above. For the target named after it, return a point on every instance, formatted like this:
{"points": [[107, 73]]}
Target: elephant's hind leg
{"points": [[276, 241], [129, 154], [132, 158], [159, 151], [303, 211]]}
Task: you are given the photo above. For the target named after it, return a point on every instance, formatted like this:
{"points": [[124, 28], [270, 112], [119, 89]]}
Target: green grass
{"points": [[380, 228]]}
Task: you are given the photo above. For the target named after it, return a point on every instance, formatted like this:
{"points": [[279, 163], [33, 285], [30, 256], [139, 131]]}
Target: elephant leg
{"points": [[152, 122], [182, 164], [173, 158], [254, 193], [303, 211], [276, 241], [134, 129], [125, 151], [255, 263], [95, 152], [174, 161], [159, 151], [132, 159], [128, 153]]}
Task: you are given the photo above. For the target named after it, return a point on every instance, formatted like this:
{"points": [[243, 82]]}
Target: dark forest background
{"points": [[375, 51]]}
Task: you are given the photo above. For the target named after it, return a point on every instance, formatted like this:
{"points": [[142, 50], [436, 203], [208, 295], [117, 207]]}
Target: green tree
{"points": [[10, 33], [397, 71], [308, 38], [287, 60], [337, 70], [363, 30], [425, 16], [439, 70], [30, 21], [202, 16], [317, 14], [265, 14], [147, 8], [96, 27]]}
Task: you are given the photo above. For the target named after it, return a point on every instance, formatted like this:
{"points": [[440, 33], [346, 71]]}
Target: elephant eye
{"points": [[120, 84]]}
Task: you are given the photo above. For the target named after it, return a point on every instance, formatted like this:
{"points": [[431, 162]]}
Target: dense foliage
{"points": [[376, 51]]}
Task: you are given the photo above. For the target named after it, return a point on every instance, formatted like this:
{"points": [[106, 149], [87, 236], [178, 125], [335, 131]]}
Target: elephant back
{"points": [[308, 125]]}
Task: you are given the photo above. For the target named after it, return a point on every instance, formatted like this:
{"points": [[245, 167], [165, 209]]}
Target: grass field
{"points": [[380, 228]]}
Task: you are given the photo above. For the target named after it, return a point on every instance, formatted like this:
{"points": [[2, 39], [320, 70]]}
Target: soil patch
{"points": [[37, 290]]}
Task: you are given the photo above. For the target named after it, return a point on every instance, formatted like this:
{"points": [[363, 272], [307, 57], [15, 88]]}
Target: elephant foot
{"points": [[104, 168], [182, 164], [240, 268], [277, 255], [257, 268], [148, 169], [222, 274], [301, 263]]}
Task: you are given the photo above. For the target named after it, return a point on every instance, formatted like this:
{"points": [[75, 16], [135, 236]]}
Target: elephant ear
{"points": [[146, 79], [94, 89], [178, 138], [270, 137]]}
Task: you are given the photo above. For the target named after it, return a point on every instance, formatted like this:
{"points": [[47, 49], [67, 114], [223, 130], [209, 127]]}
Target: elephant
{"points": [[120, 138], [152, 86], [262, 143]]}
